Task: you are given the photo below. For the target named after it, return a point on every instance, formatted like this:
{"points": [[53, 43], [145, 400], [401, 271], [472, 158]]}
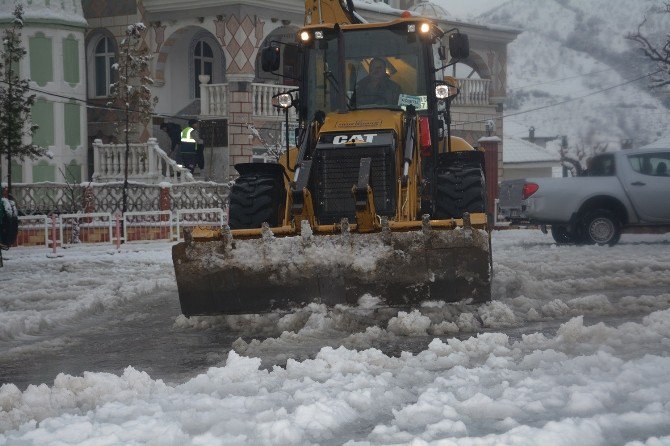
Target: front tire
{"points": [[256, 197], [601, 227], [461, 188], [562, 236]]}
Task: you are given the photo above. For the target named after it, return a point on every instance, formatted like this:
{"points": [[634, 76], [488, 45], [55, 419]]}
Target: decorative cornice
{"points": [[193, 7]]}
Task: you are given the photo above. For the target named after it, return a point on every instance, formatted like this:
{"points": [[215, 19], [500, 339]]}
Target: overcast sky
{"points": [[468, 8]]}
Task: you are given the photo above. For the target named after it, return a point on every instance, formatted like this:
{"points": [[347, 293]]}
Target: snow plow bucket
{"points": [[433, 261]]}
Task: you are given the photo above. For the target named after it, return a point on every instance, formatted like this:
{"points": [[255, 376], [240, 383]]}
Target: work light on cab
{"points": [[284, 100], [442, 91]]}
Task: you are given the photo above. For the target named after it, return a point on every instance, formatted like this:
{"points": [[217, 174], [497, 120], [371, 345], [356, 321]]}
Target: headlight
{"points": [[424, 28], [442, 91], [304, 36], [284, 100]]}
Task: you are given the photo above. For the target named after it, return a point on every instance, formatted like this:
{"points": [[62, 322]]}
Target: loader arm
{"points": [[330, 11]]}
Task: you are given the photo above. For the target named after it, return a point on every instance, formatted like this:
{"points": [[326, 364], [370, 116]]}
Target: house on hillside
{"points": [[539, 140], [523, 159], [207, 65], [663, 143]]}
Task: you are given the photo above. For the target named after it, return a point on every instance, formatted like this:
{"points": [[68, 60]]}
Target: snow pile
{"points": [[42, 294], [587, 385], [572, 350]]}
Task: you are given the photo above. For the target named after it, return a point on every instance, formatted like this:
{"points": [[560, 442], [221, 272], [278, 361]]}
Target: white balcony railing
{"points": [[473, 92], [214, 99], [147, 163], [261, 97]]}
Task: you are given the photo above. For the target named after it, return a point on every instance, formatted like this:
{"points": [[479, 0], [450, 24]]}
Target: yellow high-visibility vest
{"points": [[186, 135]]}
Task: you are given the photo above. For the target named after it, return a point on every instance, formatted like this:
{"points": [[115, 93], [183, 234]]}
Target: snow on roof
{"points": [[517, 150], [67, 12], [663, 143], [371, 5], [428, 9]]}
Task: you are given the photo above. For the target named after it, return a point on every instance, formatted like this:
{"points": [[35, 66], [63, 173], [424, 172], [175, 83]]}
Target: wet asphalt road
{"points": [[144, 335]]}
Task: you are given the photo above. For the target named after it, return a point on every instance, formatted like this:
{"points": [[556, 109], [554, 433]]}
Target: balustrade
{"points": [[214, 100], [262, 101], [473, 92], [146, 163]]}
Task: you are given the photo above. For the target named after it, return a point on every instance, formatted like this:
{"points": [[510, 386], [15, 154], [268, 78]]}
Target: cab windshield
{"points": [[379, 68]]}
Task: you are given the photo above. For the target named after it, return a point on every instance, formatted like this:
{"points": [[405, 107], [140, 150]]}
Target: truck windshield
{"points": [[382, 68]]}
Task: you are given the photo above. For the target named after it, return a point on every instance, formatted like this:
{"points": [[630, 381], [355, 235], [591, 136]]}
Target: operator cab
{"points": [[354, 67]]}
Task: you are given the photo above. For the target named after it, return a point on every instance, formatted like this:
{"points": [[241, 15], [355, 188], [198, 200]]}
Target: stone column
{"points": [[493, 167], [240, 114]]}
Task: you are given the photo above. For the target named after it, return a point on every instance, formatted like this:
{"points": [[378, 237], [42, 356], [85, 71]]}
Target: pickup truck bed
{"points": [[622, 191]]}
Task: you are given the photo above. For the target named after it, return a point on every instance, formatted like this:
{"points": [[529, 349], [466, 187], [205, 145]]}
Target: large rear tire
{"points": [[461, 188], [255, 198]]}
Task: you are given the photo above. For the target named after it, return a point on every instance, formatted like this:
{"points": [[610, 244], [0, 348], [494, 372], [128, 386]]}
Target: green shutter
{"points": [[72, 125], [71, 60], [42, 171], [41, 64], [42, 114], [73, 173], [17, 172]]}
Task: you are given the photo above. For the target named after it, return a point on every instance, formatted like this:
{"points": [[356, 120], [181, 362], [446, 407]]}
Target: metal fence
{"points": [[102, 227], [148, 226], [207, 218], [48, 198], [96, 227]]}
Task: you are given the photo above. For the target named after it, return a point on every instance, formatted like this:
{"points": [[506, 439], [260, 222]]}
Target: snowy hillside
{"points": [[572, 49]]}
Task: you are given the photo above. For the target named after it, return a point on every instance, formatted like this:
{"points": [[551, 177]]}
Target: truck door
{"points": [[648, 185]]}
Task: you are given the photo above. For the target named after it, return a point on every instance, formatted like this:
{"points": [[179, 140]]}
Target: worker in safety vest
{"points": [[191, 146]]}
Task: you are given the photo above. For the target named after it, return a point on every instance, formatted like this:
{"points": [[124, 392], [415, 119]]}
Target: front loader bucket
{"points": [[269, 273]]}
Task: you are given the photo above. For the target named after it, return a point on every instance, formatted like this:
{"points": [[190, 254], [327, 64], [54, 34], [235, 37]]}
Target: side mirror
{"points": [[270, 59], [442, 52], [459, 46]]}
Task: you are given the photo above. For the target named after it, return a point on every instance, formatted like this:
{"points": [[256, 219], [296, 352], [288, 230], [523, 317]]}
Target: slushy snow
{"points": [[594, 371]]}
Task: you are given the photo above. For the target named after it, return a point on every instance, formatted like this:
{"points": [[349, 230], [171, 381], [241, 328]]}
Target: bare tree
{"points": [[15, 101], [657, 53], [575, 159], [131, 92]]}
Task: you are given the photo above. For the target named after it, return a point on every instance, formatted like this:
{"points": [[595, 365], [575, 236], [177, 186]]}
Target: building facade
{"points": [[53, 36], [206, 65]]}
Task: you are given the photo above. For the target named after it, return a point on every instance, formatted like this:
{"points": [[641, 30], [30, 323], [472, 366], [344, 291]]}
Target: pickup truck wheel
{"points": [[460, 188], [561, 235], [601, 227]]}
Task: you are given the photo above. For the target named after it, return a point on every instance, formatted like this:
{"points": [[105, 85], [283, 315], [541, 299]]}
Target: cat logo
{"points": [[354, 139]]}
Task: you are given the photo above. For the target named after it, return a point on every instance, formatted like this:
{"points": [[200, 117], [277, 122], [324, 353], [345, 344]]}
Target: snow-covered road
{"points": [[574, 349]]}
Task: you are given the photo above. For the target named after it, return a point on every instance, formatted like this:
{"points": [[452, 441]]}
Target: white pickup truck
{"points": [[622, 191]]}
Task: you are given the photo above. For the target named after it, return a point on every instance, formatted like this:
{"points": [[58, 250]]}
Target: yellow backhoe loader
{"points": [[377, 197]]}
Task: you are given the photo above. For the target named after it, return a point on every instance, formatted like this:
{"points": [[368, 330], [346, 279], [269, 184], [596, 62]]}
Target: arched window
{"points": [[463, 71], [203, 60], [105, 57]]}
